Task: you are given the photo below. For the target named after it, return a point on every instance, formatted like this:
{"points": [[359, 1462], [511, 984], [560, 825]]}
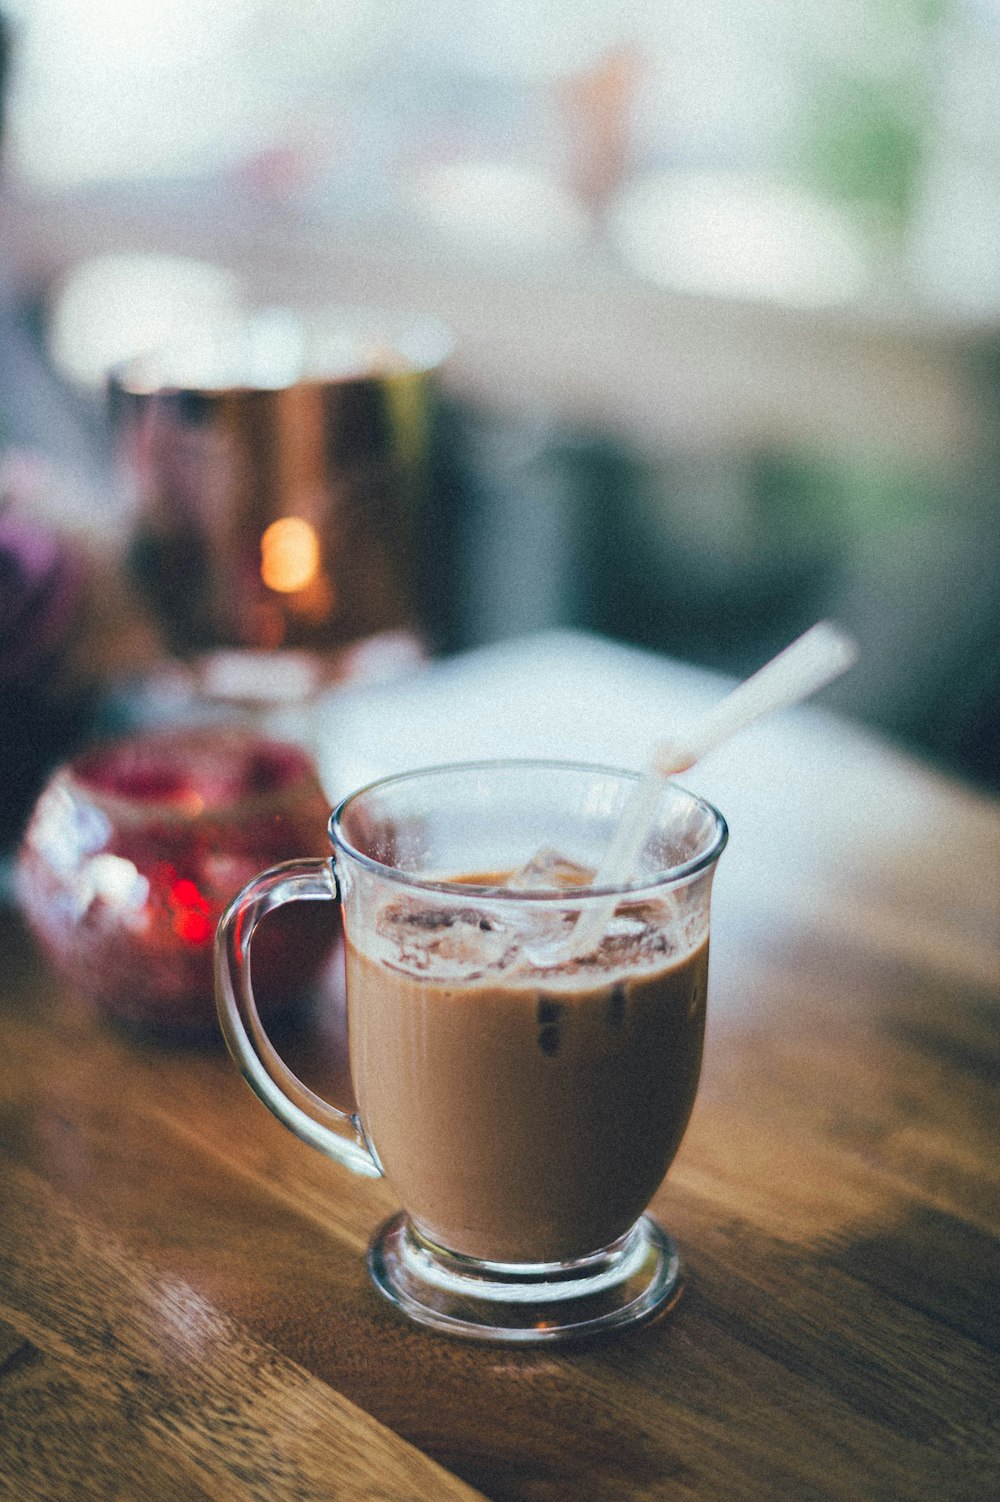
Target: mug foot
{"points": [[635, 1278]]}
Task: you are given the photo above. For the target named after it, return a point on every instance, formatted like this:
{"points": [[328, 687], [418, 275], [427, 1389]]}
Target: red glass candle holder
{"points": [[134, 850]]}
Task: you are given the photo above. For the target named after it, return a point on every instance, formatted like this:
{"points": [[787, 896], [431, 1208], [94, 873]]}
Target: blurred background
{"points": [[722, 281]]}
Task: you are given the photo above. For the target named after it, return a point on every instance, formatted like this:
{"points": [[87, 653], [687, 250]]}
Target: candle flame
{"points": [[289, 554]]}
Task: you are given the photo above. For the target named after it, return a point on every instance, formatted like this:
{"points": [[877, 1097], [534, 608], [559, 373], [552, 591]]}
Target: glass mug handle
{"points": [[336, 1133]]}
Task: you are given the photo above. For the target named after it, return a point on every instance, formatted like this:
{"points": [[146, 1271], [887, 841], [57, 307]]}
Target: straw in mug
{"points": [[807, 665]]}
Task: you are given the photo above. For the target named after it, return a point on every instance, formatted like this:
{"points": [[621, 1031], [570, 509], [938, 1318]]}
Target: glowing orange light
{"points": [[289, 555]]}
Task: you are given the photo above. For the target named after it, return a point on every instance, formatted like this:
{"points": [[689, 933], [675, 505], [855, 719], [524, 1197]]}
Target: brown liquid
{"points": [[522, 1115]]}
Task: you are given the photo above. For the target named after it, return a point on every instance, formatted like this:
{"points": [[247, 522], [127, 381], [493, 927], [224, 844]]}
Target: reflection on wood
{"points": [[113, 1371]]}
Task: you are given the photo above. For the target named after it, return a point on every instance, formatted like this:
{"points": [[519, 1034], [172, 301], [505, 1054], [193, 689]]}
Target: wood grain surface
{"points": [[184, 1309]]}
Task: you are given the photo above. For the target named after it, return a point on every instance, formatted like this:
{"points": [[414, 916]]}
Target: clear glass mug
{"points": [[524, 1111]]}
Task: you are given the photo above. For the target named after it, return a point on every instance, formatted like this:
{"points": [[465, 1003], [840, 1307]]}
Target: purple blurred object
{"points": [[41, 588], [44, 696]]}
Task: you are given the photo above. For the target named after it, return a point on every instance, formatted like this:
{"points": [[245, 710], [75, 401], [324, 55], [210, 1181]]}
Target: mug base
{"points": [[632, 1280]]}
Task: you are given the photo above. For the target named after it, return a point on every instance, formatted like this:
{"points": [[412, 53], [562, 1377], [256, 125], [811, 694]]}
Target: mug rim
{"points": [[670, 876]]}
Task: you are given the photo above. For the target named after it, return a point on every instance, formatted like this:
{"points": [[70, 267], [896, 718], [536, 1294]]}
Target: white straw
{"points": [[812, 661]]}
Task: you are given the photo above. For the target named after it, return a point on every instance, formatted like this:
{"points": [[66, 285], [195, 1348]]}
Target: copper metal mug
{"points": [[278, 473]]}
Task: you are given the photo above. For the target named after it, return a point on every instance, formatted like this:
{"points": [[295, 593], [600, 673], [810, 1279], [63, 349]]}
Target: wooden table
{"points": [[184, 1310]]}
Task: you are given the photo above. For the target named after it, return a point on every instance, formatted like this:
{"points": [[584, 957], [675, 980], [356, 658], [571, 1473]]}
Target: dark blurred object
{"points": [[718, 559], [280, 477], [44, 697], [135, 848], [718, 555]]}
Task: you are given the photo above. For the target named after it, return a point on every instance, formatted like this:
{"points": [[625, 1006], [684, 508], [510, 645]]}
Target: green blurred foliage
{"points": [[870, 105], [866, 145]]}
